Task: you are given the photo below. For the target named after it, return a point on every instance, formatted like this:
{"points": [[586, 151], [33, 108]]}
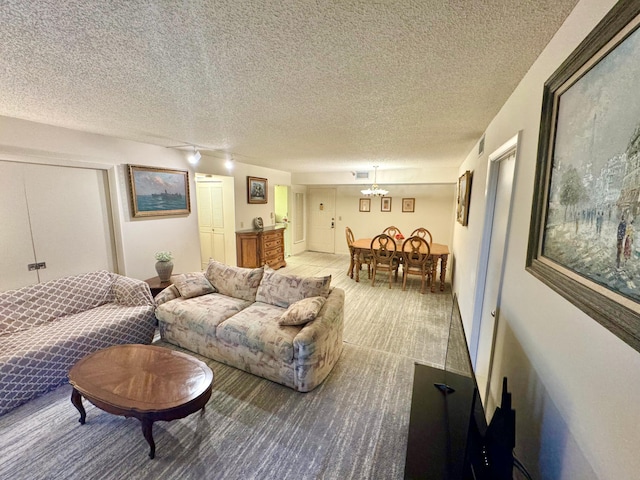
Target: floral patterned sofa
{"points": [[47, 327], [285, 328]]}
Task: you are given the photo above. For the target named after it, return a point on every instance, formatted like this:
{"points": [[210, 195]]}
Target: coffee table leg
{"points": [[76, 399], [147, 431]]}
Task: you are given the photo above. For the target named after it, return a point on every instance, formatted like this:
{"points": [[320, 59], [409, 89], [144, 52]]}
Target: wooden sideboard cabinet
{"points": [[259, 247]]}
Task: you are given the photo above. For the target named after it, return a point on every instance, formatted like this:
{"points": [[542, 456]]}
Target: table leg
{"points": [[434, 270], [443, 270], [358, 264], [76, 399], [147, 431], [351, 263]]}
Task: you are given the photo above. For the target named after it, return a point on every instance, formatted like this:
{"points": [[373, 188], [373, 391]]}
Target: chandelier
{"points": [[374, 191]]}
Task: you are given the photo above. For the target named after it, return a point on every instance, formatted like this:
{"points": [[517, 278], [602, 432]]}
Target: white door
{"points": [[70, 216], [500, 183], [15, 234], [211, 221], [322, 217], [59, 216]]}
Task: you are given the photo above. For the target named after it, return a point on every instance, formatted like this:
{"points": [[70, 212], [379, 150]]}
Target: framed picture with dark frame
{"points": [[257, 190], [464, 193], [408, 205], [586, 203], [365, 205], [385, 204], [158, 191]]}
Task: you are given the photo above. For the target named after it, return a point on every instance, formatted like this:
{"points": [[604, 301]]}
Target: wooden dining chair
{"points": [[384, 257], [392, 231], [423, 233], [365, 257], [416, 260]]}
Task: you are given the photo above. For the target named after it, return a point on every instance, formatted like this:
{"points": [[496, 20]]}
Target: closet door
{"points": [[70, 215], [16, 247]]}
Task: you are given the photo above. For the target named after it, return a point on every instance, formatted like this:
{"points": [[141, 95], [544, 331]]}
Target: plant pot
{"points": [[164, 270]]}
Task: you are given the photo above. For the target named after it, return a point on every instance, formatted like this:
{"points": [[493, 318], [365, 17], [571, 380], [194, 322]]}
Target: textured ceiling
{"points": [[300, 86]]}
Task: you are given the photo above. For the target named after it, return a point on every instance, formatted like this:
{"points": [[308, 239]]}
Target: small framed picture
{"points": [[365, 204], [408, 205], [385, 204], [257, 190]]}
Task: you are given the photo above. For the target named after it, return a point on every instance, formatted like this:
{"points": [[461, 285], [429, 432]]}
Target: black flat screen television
{"points": [[448, 434]]}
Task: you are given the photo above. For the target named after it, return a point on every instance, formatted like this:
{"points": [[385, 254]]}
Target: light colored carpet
{"points": [[354, 426]]}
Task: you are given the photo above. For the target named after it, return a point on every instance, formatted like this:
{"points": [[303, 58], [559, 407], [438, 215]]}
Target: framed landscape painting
{"points": [[464, 192], [158, 191], [257, 190], [586, 208], [385, 204]]}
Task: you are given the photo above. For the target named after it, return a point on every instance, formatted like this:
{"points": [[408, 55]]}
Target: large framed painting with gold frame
{"points": [[158, 191], [586, 204]]}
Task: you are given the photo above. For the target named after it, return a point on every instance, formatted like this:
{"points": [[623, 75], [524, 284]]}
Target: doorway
{"points": [[322, 216], [216, 218], [491, 262], [281, 206]]}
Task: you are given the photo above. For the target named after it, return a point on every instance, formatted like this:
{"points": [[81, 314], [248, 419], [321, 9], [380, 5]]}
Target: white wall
{"points": [[434, 210], [138, 238], [574, 384]]}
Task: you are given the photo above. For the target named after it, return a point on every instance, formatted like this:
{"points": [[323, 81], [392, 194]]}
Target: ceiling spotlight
{"points": [[194, 157], [229, 163]]}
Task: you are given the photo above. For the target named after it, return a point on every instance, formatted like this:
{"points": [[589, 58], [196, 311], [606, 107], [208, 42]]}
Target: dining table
{"points": [[437, 251]]}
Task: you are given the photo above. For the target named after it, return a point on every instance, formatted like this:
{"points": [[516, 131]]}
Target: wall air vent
{"points": [[361, 175]]}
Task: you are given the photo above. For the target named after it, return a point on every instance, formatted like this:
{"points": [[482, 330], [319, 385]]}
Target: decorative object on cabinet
{"points": [[256, 248], [464, 192], [258, 224], [158, 191], [585, 201], [257, 190], [408, 205], [385, 204], [365, 205]]}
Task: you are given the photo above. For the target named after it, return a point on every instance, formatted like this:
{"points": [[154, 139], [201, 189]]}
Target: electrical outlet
{"points": [[340, 218], [241, 224]]}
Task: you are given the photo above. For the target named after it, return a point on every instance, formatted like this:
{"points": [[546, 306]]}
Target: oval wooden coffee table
{"points": [[143, 381]]}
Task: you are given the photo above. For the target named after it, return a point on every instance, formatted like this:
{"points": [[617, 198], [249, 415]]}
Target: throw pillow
{"points": [[192, 285], [236, 282], [303, 311], [283, 290]]}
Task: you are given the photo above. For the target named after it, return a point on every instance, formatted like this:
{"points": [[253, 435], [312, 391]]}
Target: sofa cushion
{"points": [[193, 285], [200, 314], [303, 311], [256, 328], [283, 290], [37, 304], [235, 282]]}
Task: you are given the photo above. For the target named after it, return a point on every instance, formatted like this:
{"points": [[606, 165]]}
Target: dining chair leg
{"points": [[404, 279], [373, 277], [351, 264], [390, 274]]}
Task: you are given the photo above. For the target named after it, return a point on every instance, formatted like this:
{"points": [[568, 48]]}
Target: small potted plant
{"points": [[164, 265]]}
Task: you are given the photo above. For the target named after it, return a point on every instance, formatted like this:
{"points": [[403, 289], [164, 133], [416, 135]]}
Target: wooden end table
{"points": [[142, 381], [156, 286]]}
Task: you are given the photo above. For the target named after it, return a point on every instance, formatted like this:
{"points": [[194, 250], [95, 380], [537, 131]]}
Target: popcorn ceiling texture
{"points": [[294, 85]]}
